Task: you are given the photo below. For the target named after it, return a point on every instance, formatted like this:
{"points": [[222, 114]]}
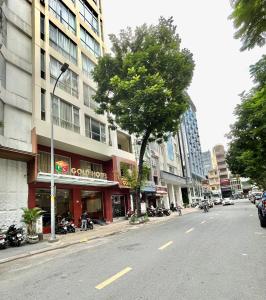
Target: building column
{"points": [[107, 206], [171, 195], [179, 196], [77, 205]]}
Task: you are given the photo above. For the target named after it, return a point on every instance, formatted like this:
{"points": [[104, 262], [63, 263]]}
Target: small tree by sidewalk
{"points": [[30, 217]]}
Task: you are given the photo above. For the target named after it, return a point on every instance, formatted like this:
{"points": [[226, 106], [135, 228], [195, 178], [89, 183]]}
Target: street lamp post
{"points": [[53, 237]]}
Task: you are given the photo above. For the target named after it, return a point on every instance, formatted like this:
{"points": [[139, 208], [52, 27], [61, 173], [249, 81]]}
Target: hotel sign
{"points": [[88, 173]]}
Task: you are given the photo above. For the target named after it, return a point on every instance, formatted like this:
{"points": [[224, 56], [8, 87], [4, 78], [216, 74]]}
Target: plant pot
{"points": [[33, 239]]}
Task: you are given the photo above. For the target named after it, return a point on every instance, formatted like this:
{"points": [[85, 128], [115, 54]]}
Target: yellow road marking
{"points": [[165, 245], [203, 222], [113, 278], [84, 240], [191, 229]]}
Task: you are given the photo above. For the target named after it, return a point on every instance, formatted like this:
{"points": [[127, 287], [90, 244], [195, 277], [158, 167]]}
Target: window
{"points": [[42, 105], [87, 66], [42, 64], [88, 93], [155, 179], [88, 15], [91, 166], [95, 130], [42, 26], [89, 42], [61, 43], [63, 14], [65, 115], [68, 81], [44, 162]]}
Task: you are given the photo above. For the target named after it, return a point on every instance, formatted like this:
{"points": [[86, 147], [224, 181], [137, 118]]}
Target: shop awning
{"points": [[161, 191], [75, 180]]}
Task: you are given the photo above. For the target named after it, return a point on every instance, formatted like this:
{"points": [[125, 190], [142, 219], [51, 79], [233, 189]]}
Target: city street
{"points": [[215, 255]]}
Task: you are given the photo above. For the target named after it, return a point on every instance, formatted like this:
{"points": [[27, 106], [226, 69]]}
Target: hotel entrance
{"points": [[92, 203], [62, 204], [119, 206]]}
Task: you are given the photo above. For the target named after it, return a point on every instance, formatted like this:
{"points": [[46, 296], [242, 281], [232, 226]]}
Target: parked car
{"points": [[262, 210], [255, 196], [228, 201], [217, 201]]}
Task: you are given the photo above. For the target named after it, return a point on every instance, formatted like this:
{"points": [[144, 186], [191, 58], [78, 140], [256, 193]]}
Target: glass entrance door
{"points": [[118, 203]]}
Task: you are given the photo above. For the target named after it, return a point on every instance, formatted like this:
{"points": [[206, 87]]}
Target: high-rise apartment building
{"points": [[207, 162], [42, 36], [190, 128], [16, 102]]}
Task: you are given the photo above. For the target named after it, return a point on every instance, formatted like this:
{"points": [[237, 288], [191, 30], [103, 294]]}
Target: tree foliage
{"points": [[247, 149], [142, 85], [249, 17]]}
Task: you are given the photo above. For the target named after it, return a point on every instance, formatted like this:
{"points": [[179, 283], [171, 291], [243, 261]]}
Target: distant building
{"points": [[219, 163], [207, 162]]}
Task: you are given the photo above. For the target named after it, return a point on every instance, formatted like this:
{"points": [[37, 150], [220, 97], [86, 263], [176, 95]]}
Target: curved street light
{"points": [[63, 68]]}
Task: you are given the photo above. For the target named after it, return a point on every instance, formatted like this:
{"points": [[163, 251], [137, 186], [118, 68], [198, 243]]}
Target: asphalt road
{"points": [[215, 255]]}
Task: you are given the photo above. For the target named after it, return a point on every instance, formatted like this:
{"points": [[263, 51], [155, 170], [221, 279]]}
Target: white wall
{"points": [[13, 190], [18, 43], [21, 8], [18, 81], [17, 124]]}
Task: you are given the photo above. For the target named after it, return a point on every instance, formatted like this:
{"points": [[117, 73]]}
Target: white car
{"points": [[227, 201]]}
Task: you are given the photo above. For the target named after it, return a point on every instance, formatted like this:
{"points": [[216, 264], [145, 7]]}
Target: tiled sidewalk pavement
{"points": [[116, 227]]}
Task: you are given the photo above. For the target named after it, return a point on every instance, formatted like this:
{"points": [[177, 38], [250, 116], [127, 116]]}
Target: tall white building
{"points": [[16, 105]]}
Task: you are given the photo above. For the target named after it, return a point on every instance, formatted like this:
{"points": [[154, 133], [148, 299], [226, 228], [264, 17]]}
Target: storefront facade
{"points": [[82, 184]]}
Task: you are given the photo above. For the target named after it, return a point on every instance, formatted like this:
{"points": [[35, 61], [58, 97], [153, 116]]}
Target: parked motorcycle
{"points": [[70, 226], [3, 239], [159, 212], [151, 212], [15, 236], [60, 228], [89, 223], [173, 207], [166, 211]]}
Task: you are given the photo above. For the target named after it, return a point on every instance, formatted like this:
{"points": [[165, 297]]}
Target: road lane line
{"points": [[203, 222], [191, 229], [165, 245], [113, 278]]}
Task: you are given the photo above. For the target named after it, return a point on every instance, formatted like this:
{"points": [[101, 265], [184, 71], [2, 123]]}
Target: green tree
{"points": [[143, 84], [249, 17], [246, 155]]}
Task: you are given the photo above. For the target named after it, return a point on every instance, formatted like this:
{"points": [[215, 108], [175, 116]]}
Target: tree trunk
{"points": [[140, 171]]}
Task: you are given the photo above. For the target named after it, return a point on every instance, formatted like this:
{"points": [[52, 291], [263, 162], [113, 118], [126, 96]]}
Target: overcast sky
{"points": [[221, 72]]}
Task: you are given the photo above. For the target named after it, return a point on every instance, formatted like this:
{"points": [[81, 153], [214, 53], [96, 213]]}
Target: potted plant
{"points": [[30, 217]]}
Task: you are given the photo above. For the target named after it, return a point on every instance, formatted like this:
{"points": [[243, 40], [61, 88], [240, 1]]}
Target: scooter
{"points": [[159, 212], [15, 236], [3, 239], [89, 223], [60, 228], [70, 226], [166, 211], [151, 212], [205, 208]]}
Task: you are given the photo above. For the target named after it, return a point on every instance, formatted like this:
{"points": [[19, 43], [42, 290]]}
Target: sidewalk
{"points": [[118, 226]]}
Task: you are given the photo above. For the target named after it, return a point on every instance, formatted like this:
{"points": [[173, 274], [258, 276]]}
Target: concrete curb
{"points": [[68, 244]]}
